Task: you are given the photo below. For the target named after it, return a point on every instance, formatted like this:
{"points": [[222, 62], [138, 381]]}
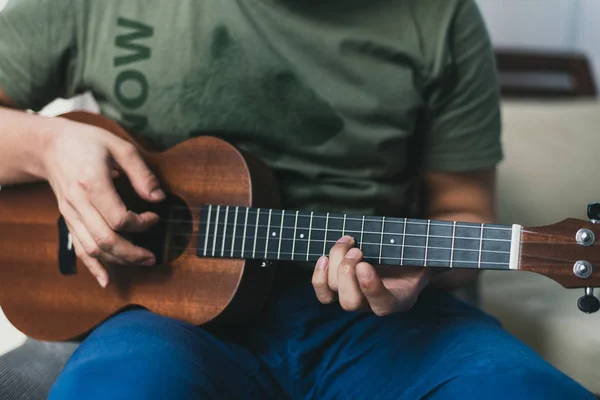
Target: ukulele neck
{"points": [[268, 234]]}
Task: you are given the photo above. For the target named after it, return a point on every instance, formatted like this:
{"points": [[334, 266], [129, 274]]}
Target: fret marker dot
{"points": [[302, 236], [273, 234], [392, 240]]}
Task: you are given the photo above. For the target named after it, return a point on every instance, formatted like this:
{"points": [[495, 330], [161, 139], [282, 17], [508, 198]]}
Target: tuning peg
{"points": [[588, 303], [593, 212]]}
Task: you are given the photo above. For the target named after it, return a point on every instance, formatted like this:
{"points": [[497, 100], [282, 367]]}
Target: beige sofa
{"points": [[550, 172]]}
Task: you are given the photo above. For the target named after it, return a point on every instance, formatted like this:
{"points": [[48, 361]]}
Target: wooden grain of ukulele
{"points": [[221, 230]]}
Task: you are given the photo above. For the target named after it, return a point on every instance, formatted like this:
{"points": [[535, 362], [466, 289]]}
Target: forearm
{"points": [[457, 278], [22, 140]]}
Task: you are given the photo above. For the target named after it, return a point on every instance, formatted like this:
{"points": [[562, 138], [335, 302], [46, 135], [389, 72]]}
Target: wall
{"points": [[546, 24], [531, 23], [588, 32]]}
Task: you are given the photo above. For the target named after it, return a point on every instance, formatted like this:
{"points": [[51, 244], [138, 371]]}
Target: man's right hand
{"points": [[80, 161]]}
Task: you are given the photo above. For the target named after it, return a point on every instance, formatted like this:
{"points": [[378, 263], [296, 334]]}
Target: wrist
{"points": [[41, 130]]}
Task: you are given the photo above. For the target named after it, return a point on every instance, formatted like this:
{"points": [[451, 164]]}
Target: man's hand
{"points": [[358, 287], [80, 162]]}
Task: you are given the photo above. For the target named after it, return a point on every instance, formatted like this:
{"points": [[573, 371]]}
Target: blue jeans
{"points": [[299, 349]]}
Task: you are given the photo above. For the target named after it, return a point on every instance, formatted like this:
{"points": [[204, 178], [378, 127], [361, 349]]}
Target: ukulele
{"points": [[220, 234]]}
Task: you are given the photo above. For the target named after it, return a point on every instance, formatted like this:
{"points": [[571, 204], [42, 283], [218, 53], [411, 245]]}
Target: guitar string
{"points": [[302, 257], [393, 220], [268, 235], [347, 231], [398, 221], [387, 245]]}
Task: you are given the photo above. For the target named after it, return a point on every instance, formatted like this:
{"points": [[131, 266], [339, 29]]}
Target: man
{"points": [[358, 106]]}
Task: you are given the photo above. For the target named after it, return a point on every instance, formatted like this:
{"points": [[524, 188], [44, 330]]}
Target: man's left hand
{"points": [[345, 277]]}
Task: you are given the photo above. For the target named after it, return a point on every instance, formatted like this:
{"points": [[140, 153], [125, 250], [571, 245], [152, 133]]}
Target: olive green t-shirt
{"points": [[346, 100]]}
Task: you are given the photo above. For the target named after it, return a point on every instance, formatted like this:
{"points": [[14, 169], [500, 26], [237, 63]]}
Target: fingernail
{"points": [[354, 253], [363, 273], [157, 194], [102, 280], [149, 261], [322, 263], [345, 239]]}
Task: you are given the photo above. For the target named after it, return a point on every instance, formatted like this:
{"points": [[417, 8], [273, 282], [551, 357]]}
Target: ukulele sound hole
{"points": [[169, 238]]}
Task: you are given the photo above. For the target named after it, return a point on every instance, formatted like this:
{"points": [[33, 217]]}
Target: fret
{"points": [[239, 229], [344, 226], [362, 232], [427, 242], [353, 228], [215, 233], [371, 238], [247, 212], [287, 237], [496, 247], [480, 247], [268, 233], [334, 231], [452, 246], [309, 234], [294, 237], [391, 252], [439, 244], [381, 239], [403, 241], [219, 227], [302, 229], [272, 235], [414, 242], [317, 235], [255, 232], [466, 240], [227, 237], [235, 218], [207, 230], [262, 234], [224, 231], [280, 234], [325, 235]]}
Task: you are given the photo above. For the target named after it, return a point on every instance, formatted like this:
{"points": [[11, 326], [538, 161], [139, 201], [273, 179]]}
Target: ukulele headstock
{"points": [[567, 252]]}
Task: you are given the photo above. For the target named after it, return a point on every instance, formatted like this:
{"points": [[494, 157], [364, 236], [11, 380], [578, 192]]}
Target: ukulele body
{"points": [[48, 294]]}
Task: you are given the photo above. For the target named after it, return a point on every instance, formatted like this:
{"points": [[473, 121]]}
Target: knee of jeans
{"points": [[521, 382], [137, 325], [139, 350], [140, 328]]}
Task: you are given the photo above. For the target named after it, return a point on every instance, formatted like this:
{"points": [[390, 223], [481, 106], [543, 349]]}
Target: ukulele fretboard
{"points": [[268, 234]]}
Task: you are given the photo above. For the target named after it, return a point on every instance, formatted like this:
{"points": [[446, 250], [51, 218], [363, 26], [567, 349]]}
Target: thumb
{"points": [[143, 180]]}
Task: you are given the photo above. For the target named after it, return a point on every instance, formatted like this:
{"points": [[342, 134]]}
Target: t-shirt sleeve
{"points": [[37, 50], [463, 104]]}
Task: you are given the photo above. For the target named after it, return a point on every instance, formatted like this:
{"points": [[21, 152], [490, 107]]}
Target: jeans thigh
{"points": [[141, 355]]}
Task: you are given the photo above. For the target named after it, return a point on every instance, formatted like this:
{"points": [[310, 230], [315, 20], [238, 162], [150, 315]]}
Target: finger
{"points": [[105, 239], [89, 247], [336, 255], [92, 264], [103, 196], [320, 282], [142, 179], [380, 299], [350, 296]]}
